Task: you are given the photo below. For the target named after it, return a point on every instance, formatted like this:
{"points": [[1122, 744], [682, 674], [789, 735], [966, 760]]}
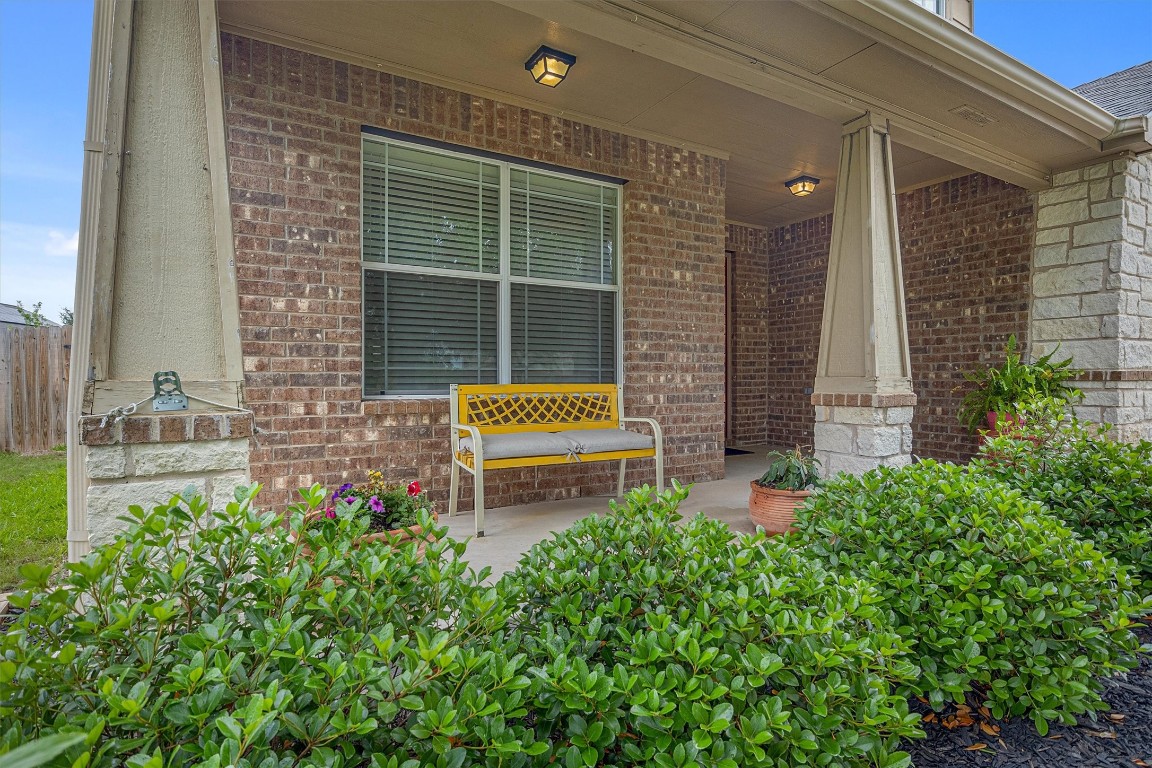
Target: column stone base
{"points": [[146, 460], [855, 433]]}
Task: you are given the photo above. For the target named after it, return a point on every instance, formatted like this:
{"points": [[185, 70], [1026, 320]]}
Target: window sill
{"points": [[395, 404]]}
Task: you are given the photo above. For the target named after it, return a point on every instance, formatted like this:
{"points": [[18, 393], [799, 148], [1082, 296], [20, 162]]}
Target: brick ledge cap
{"points": [[166, 428]]}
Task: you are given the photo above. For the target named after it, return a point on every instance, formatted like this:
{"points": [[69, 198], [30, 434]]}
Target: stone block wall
{"points": [[294, 126], [145, 460], [1092, 286], [966, 247]]}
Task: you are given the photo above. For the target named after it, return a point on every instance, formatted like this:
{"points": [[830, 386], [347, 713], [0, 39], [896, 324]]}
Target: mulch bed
{"points": [[1118, 738]]}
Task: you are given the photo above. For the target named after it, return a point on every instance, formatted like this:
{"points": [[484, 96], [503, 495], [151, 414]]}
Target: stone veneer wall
{"points": [[294, 124], [965, 246], [146, 460], [1092, 287]]}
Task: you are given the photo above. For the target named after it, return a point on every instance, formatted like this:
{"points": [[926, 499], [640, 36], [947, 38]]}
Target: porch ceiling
{"points": [[766, 83]]}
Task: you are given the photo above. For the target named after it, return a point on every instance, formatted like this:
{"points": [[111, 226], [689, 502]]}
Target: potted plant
{"points": [[779, 492], [1000, 388], [391, 509]]}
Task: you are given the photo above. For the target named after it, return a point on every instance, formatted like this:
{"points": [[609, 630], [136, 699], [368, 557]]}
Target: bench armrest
{"points": [[477, 444], [657, 432]]}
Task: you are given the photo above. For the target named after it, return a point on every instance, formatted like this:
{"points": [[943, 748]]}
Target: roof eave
{"points": [[973, 58]]}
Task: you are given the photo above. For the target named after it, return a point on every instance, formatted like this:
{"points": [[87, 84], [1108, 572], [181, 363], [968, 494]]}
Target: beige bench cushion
{"points": [[599, 440], [520, 444]]}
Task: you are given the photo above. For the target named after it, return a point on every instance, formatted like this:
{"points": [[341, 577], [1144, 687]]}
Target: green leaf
{"points": [[41, 751]]}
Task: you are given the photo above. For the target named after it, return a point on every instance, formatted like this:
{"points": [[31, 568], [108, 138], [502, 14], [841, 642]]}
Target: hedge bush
{"points": [[1098, 487], [669, 645], [221, 644], [996, 596]]}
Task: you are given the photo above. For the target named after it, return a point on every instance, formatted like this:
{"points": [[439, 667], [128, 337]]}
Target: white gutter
{"points": [[111, 30], [1133, 133]]}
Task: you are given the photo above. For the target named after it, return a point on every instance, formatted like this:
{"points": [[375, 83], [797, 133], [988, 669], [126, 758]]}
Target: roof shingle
{"points": [[1125, 94]]}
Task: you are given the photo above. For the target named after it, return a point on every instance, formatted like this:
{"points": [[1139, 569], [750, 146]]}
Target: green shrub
{"points": [[995, 595], [669, 645], [1098, 487], [222, 644]]}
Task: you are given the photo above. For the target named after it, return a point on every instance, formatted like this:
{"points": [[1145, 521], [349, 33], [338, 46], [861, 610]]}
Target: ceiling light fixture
{"points": [[549, 66], [802, 186]]}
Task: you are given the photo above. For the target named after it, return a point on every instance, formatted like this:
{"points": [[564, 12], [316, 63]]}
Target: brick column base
{"points": [[855, 433], [146, 460]]}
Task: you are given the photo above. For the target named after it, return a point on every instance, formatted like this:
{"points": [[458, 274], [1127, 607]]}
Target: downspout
{"points": [[111, 40]]}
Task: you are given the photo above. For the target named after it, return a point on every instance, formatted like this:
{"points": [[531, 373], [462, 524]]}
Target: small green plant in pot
{"points": [[1000, 388], [789, 481]]}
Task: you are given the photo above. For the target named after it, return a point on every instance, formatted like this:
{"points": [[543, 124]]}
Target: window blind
{"points": [[429, 219], [562, 335], [562, 229], [430, 210], [423, 333]]}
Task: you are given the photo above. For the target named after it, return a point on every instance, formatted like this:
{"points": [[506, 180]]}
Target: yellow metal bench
{"points": [[496, 426]]}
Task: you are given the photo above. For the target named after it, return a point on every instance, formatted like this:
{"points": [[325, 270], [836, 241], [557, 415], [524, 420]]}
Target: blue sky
{"points": [[42, 109]]}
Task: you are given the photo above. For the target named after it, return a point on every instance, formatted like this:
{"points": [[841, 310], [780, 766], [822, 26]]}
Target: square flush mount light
{"points": [[549, 66], [802, 186]]}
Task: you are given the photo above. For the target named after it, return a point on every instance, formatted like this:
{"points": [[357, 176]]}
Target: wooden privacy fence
{"points": [[33, 387]]}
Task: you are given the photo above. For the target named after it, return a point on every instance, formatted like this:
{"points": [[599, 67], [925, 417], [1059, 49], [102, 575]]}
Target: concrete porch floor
{"points": [[510, 531]]}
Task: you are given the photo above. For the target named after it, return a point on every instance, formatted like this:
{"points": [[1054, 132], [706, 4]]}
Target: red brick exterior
{"points": [[294, 124], [778, 328], [966, 247], [748, 318]]}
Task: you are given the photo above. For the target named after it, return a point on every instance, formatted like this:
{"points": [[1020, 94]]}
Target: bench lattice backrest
{"points": [[528, 407]]}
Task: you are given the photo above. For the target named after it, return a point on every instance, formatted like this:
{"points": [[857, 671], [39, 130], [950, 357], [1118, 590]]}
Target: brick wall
{"points": [[785, 293], [966, 247], [294, 124], [748, 318]]}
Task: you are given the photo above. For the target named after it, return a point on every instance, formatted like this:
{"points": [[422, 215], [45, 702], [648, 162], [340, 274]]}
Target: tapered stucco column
{"points": [[863, 390], [156, 284]]}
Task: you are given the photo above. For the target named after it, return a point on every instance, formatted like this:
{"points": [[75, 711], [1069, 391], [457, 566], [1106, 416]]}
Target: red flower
{"points": [[414, 488]]}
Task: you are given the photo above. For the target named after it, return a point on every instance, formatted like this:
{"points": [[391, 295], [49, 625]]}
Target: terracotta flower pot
{"points": [[998, 426], [410, 533], [774, 510]]}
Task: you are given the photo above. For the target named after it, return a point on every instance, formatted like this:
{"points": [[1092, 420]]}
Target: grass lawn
{"points": [[33, 513]]}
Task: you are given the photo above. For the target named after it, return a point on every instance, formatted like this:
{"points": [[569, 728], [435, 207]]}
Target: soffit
{"points": [[787, 31], [470, 43], [481, 46]]}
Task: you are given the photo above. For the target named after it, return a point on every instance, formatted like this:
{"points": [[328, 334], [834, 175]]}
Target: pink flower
{"points": [[414, 488], [330, 513]]}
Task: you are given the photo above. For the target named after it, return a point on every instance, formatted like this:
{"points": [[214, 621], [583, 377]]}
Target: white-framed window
{"points": [[481, 269], [936, 6]]}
